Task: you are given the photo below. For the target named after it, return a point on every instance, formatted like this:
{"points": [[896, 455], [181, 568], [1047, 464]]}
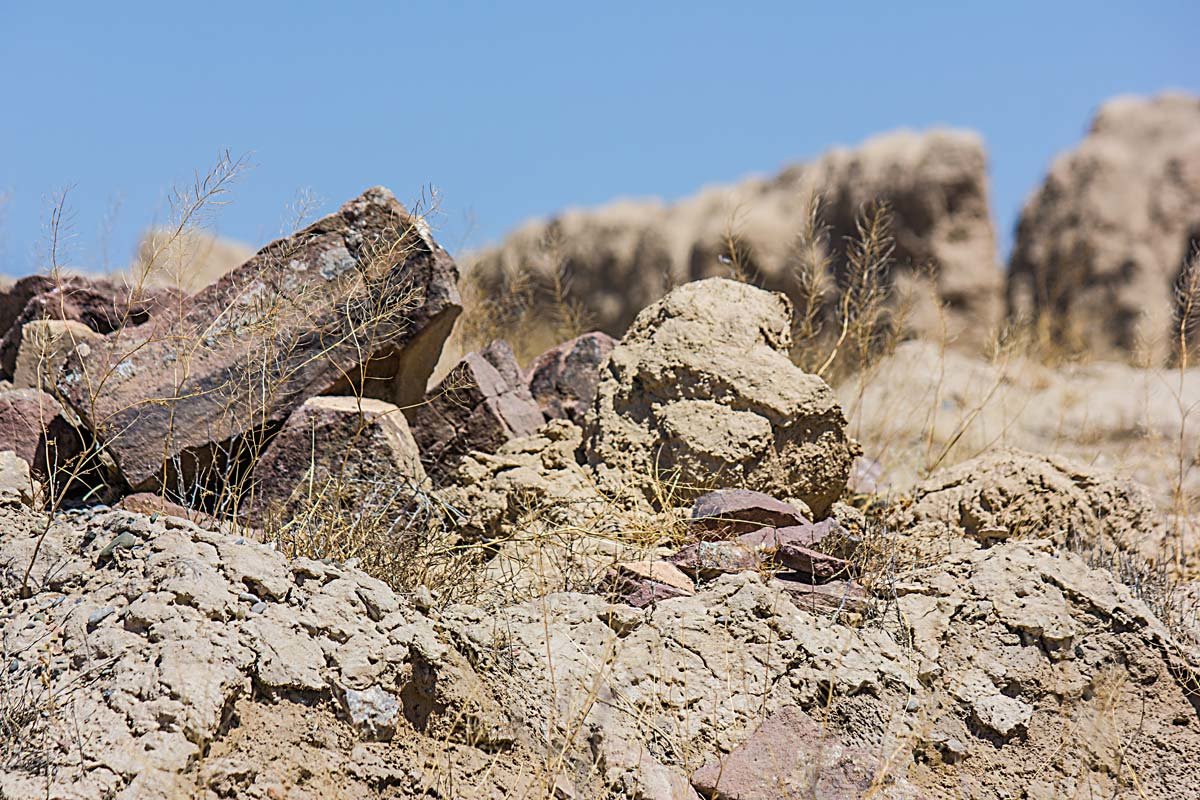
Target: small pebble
{"points": [[258, 607], [98, 616], [249, 597]]}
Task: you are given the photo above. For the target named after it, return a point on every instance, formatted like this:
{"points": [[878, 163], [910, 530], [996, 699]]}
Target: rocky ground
{"points": [[256, 543]]}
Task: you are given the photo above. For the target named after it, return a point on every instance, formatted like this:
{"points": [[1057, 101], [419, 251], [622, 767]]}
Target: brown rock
{"points": [[730, 512], [156, 505], [831, 596], [1099, 245], [362, 298], [45, 345], [644, 583], [33, 425], [101, 305], [789, 755], [475, 408], [337, 452], [563, 380], [626, 255], [766, 548]]}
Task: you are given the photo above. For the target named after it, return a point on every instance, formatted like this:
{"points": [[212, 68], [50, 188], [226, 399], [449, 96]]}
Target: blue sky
{"points": [[517, 110]]}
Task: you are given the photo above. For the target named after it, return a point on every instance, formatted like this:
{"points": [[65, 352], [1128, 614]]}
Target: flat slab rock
{"points": [[729, 512], [338, 453], [363, 297], [789, 755]]}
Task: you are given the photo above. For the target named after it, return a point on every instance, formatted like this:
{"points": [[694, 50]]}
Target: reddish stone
{"points": [[336, 453], [791, 547], [101, 305], [729, 512], [474, 408], [34, 426], [789, 755], [563, 380], [362, 299], [824, 597]]}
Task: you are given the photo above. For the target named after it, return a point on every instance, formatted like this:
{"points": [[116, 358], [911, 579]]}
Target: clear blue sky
{"points": [[516, 110]]}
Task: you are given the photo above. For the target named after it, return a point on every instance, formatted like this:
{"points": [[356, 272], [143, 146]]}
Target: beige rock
{"points": [[1099, 245], [16, 484], [700, 393], [44, 349]]}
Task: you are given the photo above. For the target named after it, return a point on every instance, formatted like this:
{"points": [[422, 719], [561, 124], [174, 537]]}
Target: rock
{"points": [[156, 505], [101, 305], [16, 484], [43, 351], [1010, 494], [563, 380], [766, 548], [493, 493], [362, 298], [374, 712], [789, 755], [343, 454], [474, 408], [700, 391], [625, 256], [1099, 245], [730, 512], [35, 426], [643, 583], [822, 598]]}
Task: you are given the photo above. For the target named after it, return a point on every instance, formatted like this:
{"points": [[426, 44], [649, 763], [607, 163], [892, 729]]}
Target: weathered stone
{"points": [[363, 298], [730, 512], [474, 408], [1099, 245], [644, 583], [343, 453], [34, 425], [791, 547], [17, 486], [43, 351], [831, 596], [789, 755], [374, 712], [563, 380], [701, 392], [101, 305]]}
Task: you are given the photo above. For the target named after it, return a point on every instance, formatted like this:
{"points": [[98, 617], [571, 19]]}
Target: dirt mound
{"points": [[700, 393], [1100, 244], [625, 256], [1009, 494]]}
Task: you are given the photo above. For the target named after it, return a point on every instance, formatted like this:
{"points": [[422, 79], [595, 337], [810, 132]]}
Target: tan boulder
{"points": [[1099, 245], [624, 256], [701, 393], [44, 348]]}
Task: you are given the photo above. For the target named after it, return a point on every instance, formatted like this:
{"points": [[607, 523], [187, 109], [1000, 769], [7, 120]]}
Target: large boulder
{"points": [[360, 300], [1011, 494], [35, 427], [701, 393], [1099, 245], [624, 256], [337, 454]]}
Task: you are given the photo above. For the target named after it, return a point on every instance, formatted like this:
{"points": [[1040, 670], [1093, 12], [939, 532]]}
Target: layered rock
{"points": [[700, 392], [1099, 245], [480, 404], [624, 256], [361, 299], [338, 454]]}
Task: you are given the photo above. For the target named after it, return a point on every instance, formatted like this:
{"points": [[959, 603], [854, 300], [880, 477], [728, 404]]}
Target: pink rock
{"points": [[730, 512], [475, 408], [789, 755], [563, 380]]}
